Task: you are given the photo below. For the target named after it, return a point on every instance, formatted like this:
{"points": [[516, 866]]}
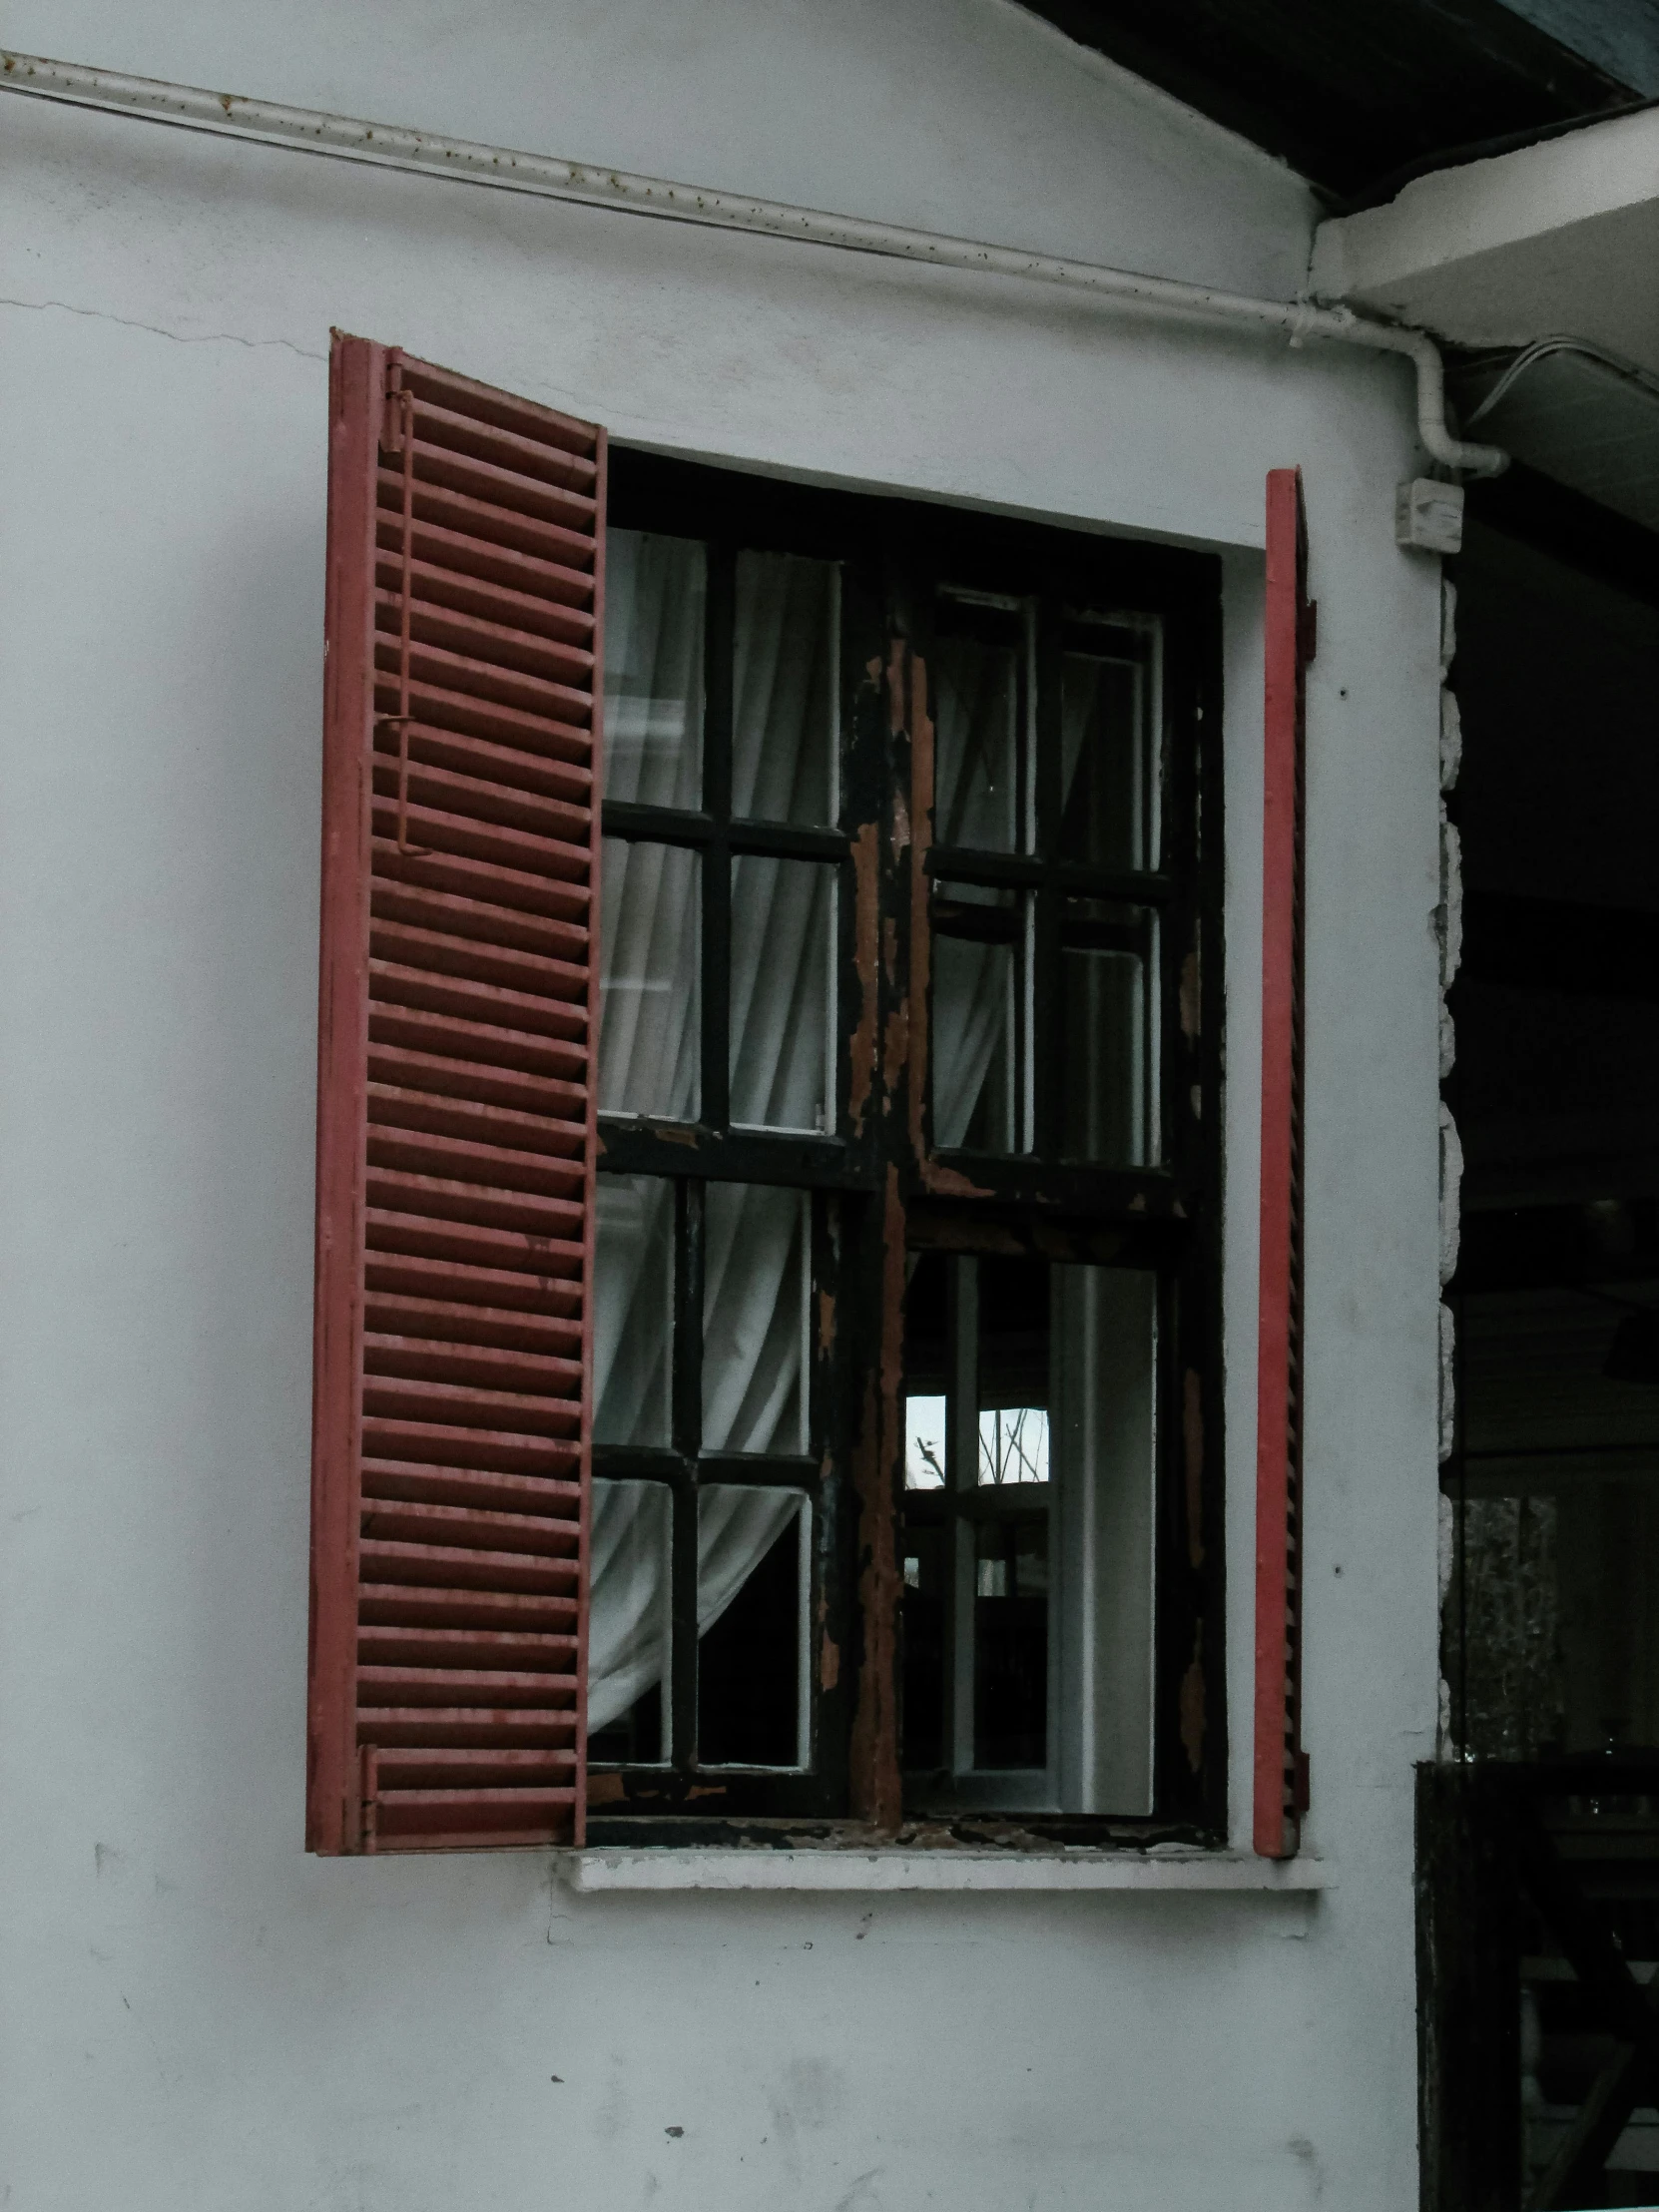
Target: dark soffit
{"points": [[1355, 94]]}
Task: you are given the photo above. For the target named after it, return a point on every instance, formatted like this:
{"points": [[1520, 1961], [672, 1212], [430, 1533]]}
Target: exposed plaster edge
{"points": [[734, 1868]]}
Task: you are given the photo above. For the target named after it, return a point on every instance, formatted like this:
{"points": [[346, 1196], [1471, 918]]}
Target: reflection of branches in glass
{"points": [[1013, 1445], [925, 1425]]}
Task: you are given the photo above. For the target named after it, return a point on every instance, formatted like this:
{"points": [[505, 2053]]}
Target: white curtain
{"points": [[627, 1620], [755, 1246], [973, 804]]}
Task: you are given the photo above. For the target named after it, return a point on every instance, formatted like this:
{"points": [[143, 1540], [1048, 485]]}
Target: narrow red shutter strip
{"points": [[456, 1133], [1280, 1777]]}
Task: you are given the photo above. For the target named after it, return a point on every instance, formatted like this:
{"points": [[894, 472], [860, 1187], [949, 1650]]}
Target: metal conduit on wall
{"points": [[393, 147]]}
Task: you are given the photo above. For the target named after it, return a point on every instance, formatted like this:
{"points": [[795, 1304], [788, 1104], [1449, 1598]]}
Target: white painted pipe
{"points": [[392, 147]]}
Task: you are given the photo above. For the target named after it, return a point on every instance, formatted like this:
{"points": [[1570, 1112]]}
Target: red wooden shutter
{"points": [[1280, 1763], [455, 1113]]}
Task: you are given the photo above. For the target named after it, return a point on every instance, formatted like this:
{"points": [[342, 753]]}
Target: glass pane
{"points": [[926, 1368], [1109, 1067], [1109, 714], [925, 1443], [1010, 1552], [635, 1738], [1104, 1435], [655, 591], [1010, 1641], [1011, 1298], [752, 1591], [633, 1309], [1013, 1444], [755, 1310], [1028, 1574], [783, 1060], [648, 987], [978, 730], [629, 1622], [784, 710], [925, 1564], [979, 1026]]}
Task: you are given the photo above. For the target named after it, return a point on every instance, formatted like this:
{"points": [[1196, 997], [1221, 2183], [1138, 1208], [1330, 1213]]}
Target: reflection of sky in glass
{"points": [[1013, 1445], [923, 1443]]}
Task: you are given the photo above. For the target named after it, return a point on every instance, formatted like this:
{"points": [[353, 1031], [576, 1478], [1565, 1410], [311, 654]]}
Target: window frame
{"points": [[879, 1186]]}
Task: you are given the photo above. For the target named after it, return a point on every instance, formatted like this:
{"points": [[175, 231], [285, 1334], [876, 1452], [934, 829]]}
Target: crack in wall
{"points": [[158, 330]]}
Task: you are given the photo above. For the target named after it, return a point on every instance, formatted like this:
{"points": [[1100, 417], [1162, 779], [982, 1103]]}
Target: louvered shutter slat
{"points": [[394, 1605], [457, 1132], [479, 881], [1281, 1764], [472, 517], [396, 1479]]}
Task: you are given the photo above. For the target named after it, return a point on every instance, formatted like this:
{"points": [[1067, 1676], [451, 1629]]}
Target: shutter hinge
{"points": [[1301, 1797], [1307, 629]]}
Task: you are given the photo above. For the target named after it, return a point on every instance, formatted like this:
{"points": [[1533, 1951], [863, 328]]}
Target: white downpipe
{"points": [[392, 147]]}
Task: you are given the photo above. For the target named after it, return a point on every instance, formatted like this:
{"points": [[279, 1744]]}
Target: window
{"points": [[1030, 1472], [769, 1373], [902, 911]]}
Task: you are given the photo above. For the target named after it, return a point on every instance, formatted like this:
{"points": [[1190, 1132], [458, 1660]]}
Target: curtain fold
{"points": [[656, 590], [972, 805], [628, 1637]]}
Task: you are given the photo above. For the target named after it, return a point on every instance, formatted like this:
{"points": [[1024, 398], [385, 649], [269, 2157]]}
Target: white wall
{"points": [[195, 2015]]}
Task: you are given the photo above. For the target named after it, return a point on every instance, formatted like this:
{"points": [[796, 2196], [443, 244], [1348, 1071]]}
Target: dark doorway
{"points": [[1539, 1832]]}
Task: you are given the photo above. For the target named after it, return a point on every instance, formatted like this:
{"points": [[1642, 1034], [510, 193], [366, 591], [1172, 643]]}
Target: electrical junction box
{"points": [[1429, 516]]}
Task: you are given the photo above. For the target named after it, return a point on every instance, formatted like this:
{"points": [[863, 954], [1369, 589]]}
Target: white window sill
{"points": [[737, 1868]]}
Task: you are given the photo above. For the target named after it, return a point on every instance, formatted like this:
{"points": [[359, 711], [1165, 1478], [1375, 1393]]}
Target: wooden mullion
{"points": [[719, 641], [1048, 1059], [783, 840], [785, 1157], [687, 1432], [683, 1623], [758, 1471], [1080, 878], [635, 1463], [883, 798], [680, 826], [961, 1461], [1128, 1196]]}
